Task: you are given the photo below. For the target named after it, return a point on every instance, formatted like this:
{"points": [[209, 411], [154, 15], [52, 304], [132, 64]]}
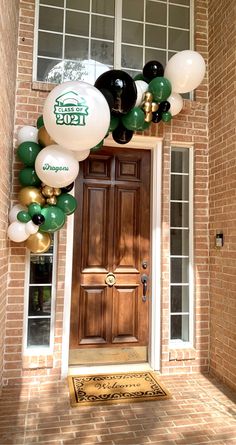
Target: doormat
{"points": [[115, 388]]}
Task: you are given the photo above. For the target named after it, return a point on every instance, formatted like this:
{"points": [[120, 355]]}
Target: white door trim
{"points": [[155, 145]]}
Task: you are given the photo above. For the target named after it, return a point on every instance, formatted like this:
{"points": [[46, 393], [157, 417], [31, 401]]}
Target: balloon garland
{"points": [[76, 119]]}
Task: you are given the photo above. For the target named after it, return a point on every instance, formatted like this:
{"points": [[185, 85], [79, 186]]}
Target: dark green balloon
{"points": [[28, 176], [54, 219], [114, 123], [34, 209], [40, 122], [66, 203], [97, 147], [27, 152], [166, 117], [160, 87], [145, 126], [23, 216], [139, 76], [134, 119]]}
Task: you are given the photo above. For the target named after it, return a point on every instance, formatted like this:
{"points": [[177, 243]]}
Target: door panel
{"points": [[111, 235]]}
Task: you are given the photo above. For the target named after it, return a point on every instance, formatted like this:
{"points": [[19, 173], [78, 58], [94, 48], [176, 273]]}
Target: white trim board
{"points": [[155, 145]]}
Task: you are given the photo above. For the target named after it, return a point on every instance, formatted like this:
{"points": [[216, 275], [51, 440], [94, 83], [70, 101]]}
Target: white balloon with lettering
{"points": [[185, 71], [16, 232], [56, 166], [76, 115], [14, 211], [27, 134], [176, 103], [142, 87]]}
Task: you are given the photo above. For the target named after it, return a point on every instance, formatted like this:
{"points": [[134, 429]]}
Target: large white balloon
{"points": [[76, 115], [56, 166], [14, 211], [16, 232], [31, 228], [176, 103], [26, 134], [81, 155], [142, 87], [185, 70]]}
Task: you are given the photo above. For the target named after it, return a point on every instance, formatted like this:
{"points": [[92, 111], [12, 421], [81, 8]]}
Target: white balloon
{"points": [[81, 155], [176, 103], [56, 166], [14, 211], [31, 228], [76, 115], [26, 134], [16, 232], [142, 87], [185, 70]]}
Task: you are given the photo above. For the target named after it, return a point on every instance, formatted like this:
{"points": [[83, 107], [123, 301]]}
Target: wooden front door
{"points": [[109, 313]]}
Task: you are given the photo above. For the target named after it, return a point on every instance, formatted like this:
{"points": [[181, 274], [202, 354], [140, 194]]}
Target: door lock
{"points": [[110, 279], [144, 280]]}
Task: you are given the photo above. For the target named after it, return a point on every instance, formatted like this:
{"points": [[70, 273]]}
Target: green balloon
{"points": [[54, 219], [28, 152], [166, 116], [97, 147], [66, 203], [34, 209], [134, 119], [23, 216], [114, 123], [160, 87], [28, 176], [139, 76], [40, 122], [145, 126]]}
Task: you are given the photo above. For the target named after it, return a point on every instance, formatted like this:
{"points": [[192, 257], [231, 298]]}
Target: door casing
{"points": [[155, 145]]}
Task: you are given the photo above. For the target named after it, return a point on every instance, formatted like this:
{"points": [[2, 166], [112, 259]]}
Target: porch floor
{"points": [[202, 411]]}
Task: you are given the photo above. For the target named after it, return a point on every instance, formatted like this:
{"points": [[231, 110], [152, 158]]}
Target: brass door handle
{"points": [[144, 280], [110, 279]]}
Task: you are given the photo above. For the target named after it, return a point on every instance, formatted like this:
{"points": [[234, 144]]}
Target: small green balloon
{"points": [[166, 116], [145, 126], [114, 123], [34, 209], [23, 216], [134, 119], [54, 219], [160, 87], [28, 152], [97, 147], [139, 76], [66, 203], [28, 176], [40, 122]]}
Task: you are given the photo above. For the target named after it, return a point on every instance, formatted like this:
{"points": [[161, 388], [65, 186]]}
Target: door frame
{"points": [[154, 144]]}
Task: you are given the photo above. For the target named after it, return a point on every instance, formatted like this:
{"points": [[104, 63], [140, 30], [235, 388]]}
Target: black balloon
{"points": [[68, 188], [152, 69], [38, 219], [156, 116], [108, 96], [164, 106], [122, 88], [122, 135]]}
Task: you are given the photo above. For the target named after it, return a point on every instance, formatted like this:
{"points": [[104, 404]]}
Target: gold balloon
{"points": [[148, 97], [47, 191], [44, 138], [52, 201], [147, 107], [39, 242], [154, 107], [30, 194], [148, 117], [56, 191]]}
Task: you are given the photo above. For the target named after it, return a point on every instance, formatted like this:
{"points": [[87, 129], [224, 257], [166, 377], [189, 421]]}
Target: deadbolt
{"points": [[110, 279]]}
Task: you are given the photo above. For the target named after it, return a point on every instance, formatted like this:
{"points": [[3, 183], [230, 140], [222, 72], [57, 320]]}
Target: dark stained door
{"points": [[111, 235]]}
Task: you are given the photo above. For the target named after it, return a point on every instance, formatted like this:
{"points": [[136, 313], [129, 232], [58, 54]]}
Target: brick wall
{"points": [[8, 47], [190, 128], [222, 186]]}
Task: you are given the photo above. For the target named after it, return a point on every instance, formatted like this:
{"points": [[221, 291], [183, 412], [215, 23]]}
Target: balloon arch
{"points": [[76, 119]]}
